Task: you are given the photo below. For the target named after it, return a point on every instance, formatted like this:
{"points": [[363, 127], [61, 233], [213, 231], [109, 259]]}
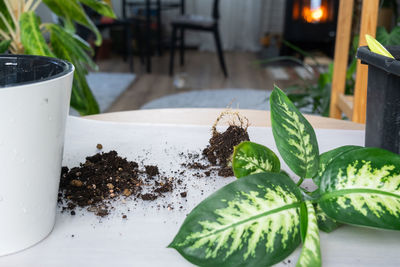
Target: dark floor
{"points": [[201, 71]]}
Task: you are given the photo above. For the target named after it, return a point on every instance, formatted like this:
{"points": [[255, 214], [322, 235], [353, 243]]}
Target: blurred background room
{"points": [[220, 53]]}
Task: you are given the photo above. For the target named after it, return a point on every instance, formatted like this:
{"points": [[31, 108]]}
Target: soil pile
{"points": [[218, 152], [220, 149], [107, 176]]}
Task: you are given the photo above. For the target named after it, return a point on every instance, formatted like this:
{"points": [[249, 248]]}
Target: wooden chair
{"points": [[198, 23], [354, 107], [158, 6]]}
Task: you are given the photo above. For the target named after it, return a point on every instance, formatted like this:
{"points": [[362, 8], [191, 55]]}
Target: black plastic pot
{"points": [[383, 100]]}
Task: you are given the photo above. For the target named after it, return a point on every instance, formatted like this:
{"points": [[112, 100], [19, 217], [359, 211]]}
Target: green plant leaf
{"points": [[31, 36], [100, 7], [91, 105], [4, 46], [328, 157], [250, 158], [77, 97], [294, 136], [325, 223], [311, 252], [376, 47], [83, 44], [254, 221], [6, 19], [284, 173], [72, 11], [303, 221], [67, 47], [362, 187], [72, 46], [388, 39]]}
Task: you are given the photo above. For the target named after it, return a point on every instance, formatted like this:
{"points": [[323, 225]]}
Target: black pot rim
{"points": [[387, 64], [67, 68]]}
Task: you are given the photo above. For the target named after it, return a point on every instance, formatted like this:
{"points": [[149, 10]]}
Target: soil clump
{"points": [[105, 177], [218, 153]]}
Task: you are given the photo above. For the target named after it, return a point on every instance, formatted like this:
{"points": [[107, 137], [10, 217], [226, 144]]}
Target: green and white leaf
{"points": [[328, 157], [100, 7], [362, 187], [310, 253], [325, 223], [251, 158], [254, 221], [31, 36], [71, 11], [294, 136]]}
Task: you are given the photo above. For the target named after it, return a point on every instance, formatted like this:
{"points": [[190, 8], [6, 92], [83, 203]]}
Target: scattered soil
{"points": [[105, 177]]}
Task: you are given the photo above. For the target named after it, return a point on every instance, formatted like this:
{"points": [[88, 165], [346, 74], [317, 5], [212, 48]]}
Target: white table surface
{"points": [[141, 240]]}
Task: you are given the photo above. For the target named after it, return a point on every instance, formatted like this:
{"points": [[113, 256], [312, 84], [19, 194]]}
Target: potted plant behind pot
{"points": [[34, 103], [21, 32], [383, 97]]}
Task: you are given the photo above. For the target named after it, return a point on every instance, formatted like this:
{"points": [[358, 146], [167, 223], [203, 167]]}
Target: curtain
{"points": [[242, 22]]}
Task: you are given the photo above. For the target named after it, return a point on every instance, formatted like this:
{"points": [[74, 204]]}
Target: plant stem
{"points": [[4, 35], [36, 5], [300, 181], [9, 28], [10, 10], [28, 5]]}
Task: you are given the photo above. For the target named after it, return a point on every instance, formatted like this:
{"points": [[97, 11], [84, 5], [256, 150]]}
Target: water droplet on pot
{"points": [[23, 160], [1, 198], [12, 120], [50, 118], [24, 210]]}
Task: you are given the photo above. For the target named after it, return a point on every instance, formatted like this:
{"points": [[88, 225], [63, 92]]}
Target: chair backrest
{"points": [[215, 11]]}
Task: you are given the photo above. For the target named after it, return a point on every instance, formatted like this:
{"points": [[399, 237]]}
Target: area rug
{"points": [[220, 98], [107, 87]]}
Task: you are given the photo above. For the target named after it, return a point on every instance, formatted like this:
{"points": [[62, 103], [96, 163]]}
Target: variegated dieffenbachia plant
{"points": [[263, 216]]}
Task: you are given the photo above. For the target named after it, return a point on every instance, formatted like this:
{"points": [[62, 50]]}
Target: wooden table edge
{"points": [[207, 116]]}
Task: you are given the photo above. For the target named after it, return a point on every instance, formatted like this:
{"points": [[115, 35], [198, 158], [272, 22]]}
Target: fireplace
{"points": [[310, 25]]}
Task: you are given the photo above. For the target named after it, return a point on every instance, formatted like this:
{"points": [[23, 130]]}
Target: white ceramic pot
{"points": [[34, 103]]}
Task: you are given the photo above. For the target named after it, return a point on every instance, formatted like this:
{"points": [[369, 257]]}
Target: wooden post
{"points": [[342, 45], [369, 18]]}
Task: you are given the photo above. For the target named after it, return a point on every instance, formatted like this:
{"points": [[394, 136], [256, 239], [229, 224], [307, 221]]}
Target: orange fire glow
{"points": [[319, 14]]}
